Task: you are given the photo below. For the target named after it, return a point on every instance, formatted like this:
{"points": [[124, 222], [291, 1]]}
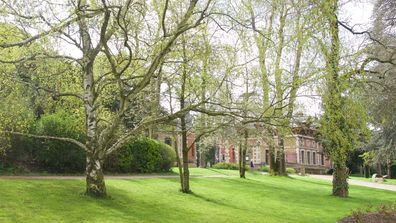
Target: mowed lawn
{"points": [[259, 198]]}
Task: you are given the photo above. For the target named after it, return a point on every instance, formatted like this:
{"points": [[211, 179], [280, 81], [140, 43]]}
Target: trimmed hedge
{"points": [[226, 166], [288, 170]]}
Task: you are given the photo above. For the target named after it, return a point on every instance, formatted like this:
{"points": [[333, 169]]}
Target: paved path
{"points": [[359, 182], [120, 177]]}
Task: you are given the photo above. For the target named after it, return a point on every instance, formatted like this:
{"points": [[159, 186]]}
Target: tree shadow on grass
{"points": [[215, 201]]}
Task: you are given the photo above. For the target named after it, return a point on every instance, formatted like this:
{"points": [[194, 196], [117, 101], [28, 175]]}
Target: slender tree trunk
{"points": [[179, 165], [242, 169], [340, 183], [242, 162], [389, 169], [94, 176], [186, 174]]}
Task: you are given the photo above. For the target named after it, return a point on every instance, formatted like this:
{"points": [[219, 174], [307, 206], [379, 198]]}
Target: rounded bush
{"points": [[144, 155], [168, 156]]}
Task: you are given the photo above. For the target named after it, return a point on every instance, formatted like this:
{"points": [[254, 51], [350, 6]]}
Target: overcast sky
{"points": [[357, 14]]}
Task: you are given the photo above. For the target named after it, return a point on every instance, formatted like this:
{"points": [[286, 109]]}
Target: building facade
{"points": [[302, 151]]}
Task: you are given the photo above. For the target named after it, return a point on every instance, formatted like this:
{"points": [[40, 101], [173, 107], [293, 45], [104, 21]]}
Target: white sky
{"points": [[356, 13]]}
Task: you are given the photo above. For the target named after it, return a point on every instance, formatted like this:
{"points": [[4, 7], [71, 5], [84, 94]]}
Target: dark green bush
{"points": [[143, 155], [168, 156], [227, 166], [56, 156]]}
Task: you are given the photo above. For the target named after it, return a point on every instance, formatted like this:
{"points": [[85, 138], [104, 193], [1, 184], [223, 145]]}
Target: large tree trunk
{"points": [[94, 177], [340, 183]]}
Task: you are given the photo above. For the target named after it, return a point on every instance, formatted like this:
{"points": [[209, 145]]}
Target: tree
{"points": [[343, 120], [117, 52]]}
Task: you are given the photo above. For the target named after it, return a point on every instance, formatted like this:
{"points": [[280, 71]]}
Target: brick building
{"points": [[301, 151], [168, 138]]}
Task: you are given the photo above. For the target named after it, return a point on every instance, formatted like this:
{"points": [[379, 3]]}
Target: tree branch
{"points": [[70, 140]]}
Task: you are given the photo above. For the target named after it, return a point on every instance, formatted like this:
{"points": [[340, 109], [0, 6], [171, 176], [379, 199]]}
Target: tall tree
{"points": [[343, 119]]}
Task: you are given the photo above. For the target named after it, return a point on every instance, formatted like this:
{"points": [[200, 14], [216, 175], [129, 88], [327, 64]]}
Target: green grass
{"points": [[259, 198]]}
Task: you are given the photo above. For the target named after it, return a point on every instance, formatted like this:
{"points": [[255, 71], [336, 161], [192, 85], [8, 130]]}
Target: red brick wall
{"points": [[192, 154], [291, 157], [232, 154]]}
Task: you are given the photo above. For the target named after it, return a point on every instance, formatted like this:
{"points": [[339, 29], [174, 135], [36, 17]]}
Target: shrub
{"points": [[168, 156], [227, 166], [144, 155], [56, 156], [265, 168], [290, 171]]}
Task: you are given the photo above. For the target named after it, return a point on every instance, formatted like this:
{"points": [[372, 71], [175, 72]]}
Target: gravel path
{"points": [[126, 177], [359, 182]]}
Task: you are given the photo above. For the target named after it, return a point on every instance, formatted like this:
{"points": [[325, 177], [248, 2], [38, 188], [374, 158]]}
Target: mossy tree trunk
{"points": [[340, 183]]}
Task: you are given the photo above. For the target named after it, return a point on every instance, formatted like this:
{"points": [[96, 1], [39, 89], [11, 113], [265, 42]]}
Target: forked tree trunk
{"points": [[340, 184], [94, 177]]}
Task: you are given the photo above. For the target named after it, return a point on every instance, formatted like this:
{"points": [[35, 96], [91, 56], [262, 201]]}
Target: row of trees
{"points": [[221, 69]]}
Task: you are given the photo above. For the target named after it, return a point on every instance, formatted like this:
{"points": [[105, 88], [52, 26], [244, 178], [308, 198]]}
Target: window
{"points": [[322, 159], [314, 158], [168, 141], [302, 157], [309, 157]]}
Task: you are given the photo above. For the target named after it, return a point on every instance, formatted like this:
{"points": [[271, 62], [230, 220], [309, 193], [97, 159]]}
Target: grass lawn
{"points": [[259, 198]]}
